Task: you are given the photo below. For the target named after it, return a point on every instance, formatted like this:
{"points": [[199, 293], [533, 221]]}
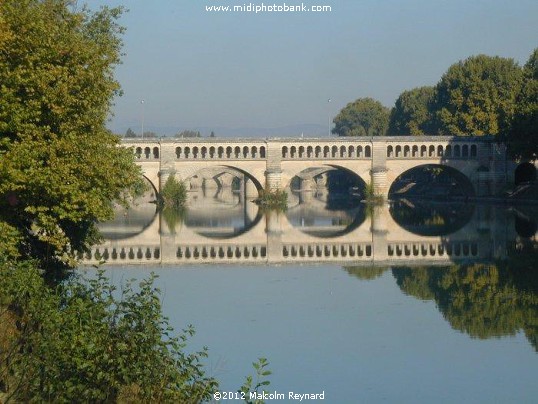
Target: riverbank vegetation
{"points": [[173, 194], [273, 200], [86, 341], [370, 196]]}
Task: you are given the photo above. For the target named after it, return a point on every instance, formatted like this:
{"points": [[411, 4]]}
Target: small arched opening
{"points": [[525, 172]]}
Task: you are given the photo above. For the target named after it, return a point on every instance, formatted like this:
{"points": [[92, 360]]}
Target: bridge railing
{"points": [[406, 251], [220, 152], [465, 151], [400, 147], [325, 151]]}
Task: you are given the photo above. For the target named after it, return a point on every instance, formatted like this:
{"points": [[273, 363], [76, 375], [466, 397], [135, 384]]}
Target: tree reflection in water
{"points": [[482, 300], [366, 273]]}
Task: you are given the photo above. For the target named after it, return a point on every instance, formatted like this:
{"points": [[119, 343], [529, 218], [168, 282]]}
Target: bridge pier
{"points": [[250, 211], [306, 184], [273, 180], [379, 232], [379, 181], [225, 180], [209, 184], [305, 196], [321, 181], [273, 229]]}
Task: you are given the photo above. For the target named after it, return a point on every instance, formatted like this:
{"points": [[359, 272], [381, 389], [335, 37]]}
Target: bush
{"points": [[273, 200], [174, 194], [80, 342], [370, 195]]}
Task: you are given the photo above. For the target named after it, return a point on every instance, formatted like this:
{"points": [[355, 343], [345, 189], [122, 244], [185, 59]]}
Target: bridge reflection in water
{"points": [[223, 227]]}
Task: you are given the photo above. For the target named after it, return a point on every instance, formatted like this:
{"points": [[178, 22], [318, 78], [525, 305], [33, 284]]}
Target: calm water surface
{"points": [[409, 302]]}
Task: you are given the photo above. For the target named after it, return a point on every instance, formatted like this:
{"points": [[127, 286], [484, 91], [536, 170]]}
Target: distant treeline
{"points": [[149, 134]]}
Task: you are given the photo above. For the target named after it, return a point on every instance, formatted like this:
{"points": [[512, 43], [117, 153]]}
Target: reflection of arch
{"points": [[525, 227], [217, 220], [351, 218], [461, 187], [525, 172], [129, 223], [323, 168], [154, 188], [425, 218]]}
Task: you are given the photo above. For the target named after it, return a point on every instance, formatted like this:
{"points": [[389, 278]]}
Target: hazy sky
{"points": [[196, 68]]}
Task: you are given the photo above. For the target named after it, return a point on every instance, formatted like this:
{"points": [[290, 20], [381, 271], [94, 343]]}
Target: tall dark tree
{"points": [[412, 114], [477, 96], [523, 136], [363, 117], [130, 133]]}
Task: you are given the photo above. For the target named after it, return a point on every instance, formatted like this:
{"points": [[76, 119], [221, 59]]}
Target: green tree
{"points": [[412, 114], [363, 117], [477, 96], [60, 169], [130, 133], [523, 136], [188, 133], [174, 193]]}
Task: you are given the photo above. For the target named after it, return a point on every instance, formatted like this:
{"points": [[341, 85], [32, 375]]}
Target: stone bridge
{"points": [[273, 163]]}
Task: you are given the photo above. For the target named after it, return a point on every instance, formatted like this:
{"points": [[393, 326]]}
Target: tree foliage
{"points": [[363, 117], [253, 386], [188, 133], [477, 96], [174, 193], [523, 136], [60, 169], [412, 114], [130, 133], [276, 200], [87, 342]]}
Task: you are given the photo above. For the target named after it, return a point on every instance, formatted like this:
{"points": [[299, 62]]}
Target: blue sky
{"points": [[205, 69]]}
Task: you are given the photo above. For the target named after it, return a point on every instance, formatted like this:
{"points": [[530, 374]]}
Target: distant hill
{"points": [[307, 130]]}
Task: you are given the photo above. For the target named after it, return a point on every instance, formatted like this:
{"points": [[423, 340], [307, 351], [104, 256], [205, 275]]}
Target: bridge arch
{"points": [[431, 219], [432, 180], [217, 170]]}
